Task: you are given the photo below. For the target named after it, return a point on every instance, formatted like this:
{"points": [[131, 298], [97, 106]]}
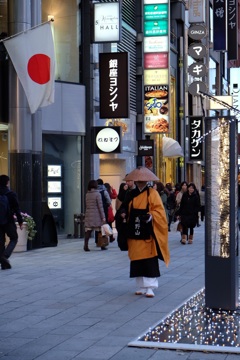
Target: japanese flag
{"points": [[32, 54]]}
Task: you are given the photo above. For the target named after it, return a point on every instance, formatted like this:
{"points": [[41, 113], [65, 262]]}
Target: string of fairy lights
{"points": [[193, 323], [223, 123]]}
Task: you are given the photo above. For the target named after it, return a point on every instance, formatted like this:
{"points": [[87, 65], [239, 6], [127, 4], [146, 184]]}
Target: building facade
{"points": [[48, 155]]}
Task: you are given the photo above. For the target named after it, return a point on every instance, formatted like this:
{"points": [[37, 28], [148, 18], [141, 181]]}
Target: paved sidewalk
{"points": [[61, 303]]}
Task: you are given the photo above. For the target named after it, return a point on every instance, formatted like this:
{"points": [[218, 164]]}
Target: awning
{"points": [[171, 148]]}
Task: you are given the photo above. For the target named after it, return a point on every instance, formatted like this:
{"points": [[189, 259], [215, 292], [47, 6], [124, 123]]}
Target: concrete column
{"points": [[25, 129], [36, 17], [19, 19]]}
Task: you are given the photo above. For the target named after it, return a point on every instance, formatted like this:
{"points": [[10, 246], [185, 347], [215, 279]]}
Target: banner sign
{"points": [[220, 25], [195, 133], [232, 22], [107, 23], [105, 139], [114, 85]]}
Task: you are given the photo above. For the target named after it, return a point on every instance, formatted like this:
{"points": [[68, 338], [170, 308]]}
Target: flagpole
{"points": [[22, 32]]}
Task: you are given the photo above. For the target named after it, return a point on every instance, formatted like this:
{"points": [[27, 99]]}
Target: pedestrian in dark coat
{"points": [[188, 212], [9, 227]]}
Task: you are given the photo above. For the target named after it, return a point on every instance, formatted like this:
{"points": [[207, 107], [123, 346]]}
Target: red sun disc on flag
{"points": [[39, 68]]}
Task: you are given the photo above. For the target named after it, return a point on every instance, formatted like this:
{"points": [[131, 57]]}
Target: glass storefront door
{"points": [[62, 174]]}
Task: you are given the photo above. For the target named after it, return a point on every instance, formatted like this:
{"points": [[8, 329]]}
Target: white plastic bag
{"points": [[174, 226], [106, 230]]}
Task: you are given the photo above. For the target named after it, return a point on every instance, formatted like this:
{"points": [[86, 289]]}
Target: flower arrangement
{"points": [[31, 225]]}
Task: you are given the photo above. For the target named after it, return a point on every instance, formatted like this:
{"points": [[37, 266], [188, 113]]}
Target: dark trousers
{"points": [[202, 209], [185, 230], [11, 230]]}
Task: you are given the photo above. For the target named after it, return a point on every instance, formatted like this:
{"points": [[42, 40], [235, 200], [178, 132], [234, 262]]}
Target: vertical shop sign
{"points": [[220, 25], [196, 11], [156, 66], [114, 86], [107, 22], [232, 22], [195, 134]]}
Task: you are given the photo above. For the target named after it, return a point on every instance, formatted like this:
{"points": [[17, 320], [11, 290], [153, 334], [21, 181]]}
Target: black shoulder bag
{"points": [[138, 228]]}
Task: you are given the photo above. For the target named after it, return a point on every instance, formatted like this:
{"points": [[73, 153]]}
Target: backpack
{"points": [[4, 209]]}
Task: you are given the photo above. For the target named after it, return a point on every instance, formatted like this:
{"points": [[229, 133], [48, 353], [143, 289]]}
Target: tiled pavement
{"points": [[61, 303]]}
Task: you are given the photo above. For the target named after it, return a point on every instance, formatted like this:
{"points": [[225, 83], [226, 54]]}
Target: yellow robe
{"points": [[144, 249]]}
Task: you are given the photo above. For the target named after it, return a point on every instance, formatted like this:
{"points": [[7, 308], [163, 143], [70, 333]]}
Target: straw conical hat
{"points": [[141, 174]]}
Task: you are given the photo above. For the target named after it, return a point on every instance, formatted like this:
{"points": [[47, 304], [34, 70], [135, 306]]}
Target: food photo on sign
{"points": [[156, 118]]}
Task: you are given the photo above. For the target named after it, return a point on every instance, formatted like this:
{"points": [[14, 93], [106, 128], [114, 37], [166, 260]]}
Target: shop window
{"points": [[62, 174]]}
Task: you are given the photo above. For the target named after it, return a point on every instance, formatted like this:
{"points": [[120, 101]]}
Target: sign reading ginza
{"points": [[197, 51]]}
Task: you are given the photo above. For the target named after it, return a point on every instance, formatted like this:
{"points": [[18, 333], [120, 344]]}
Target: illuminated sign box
{"points": [[156, 28], [114, 85], [54, 186], [213, 105], [54, 170], [156, 60], [145, 147], [55, 202], [106, 139], [157, 2], [156, 44], [107, 23], [156, 12], [155, 77]]}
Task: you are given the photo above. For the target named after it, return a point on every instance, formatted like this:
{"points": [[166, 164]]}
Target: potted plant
{"points": [[27, 232], [31, 225]]}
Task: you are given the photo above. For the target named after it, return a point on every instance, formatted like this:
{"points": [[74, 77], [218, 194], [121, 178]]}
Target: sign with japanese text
{"points": [[196, 11], [197, 69], [156, 28], [107, 23], [197, 86], [195, 133], [155, 12], [197, 51], [105, 139], [114, 85], [220, 25], [156, 112], [156, 67], [232, 22], [156, 60]]}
